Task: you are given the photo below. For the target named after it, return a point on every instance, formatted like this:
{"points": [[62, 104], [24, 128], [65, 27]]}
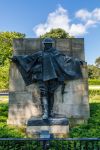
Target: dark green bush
{"points": [[20, 145]]}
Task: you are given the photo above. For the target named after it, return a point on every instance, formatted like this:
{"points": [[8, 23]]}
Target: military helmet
{"points": [[48, 40]]}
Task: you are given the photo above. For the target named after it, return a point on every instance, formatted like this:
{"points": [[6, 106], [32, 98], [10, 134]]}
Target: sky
{"points": [[80, 18]]}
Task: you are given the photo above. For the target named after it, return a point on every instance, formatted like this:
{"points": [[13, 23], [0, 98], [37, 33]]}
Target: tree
{"points": [[93, 72], [97, 62], [6, 39], [56, 33], [6, 48]]}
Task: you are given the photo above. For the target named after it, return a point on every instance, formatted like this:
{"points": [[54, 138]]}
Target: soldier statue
{"points": [[49, 68]]}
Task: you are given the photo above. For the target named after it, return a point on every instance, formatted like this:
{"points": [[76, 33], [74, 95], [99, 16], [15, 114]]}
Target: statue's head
{"points": [[48, 43]]}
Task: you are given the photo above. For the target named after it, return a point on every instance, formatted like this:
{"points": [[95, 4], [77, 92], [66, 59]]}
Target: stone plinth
{"points": [[24, 101], [59, 127]]}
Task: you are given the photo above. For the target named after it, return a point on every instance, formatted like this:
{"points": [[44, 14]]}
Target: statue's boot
{"points": [[51, 102], [45, 107]]}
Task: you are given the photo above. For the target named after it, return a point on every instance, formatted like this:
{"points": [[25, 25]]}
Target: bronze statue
{"points": [[49, 68]]}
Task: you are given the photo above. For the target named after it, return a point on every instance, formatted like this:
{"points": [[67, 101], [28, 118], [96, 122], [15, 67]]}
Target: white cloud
{"points": [[56, 19], [96, 14], [90, 23], [77, 29], [83, 14], [60, 19]]}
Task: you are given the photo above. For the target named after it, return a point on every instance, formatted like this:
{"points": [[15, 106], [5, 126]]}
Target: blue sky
{"points": [[34, 17]]}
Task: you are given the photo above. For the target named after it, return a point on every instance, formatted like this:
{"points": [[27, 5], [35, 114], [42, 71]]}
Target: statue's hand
{"points": [[82, 62], [13, 58]]}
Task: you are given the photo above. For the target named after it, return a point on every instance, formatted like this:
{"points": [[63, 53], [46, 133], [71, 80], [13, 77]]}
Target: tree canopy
{"points": [[6, 39], [97, 62], [56, 33], [93, 72], [6, 48]]}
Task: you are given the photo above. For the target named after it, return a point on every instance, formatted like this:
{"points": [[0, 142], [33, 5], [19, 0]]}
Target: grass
{"points": [[94, 81]]}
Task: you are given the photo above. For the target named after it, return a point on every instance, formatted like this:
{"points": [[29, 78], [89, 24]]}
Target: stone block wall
{"points": [[24, 101]]}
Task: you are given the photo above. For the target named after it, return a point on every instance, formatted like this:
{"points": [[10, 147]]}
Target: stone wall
{"points": [[24, 101]]}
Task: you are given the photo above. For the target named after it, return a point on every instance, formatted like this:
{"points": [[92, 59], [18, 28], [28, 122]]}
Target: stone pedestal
{"points": [[57, 127]]}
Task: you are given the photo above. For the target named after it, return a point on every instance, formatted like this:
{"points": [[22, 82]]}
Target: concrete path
{"points": [[95, 87]]}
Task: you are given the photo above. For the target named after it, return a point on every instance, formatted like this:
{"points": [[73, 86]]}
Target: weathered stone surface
{"points": [[22, 106], [16, 83], [58, 131], [85, 72], [26, 46], [78, 48], [72, 47], [63, 45], [24, 101], [74, 102], [72, 110], [24, 97]]}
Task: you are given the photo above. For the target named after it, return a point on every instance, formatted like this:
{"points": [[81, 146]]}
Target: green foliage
{"points": [[56, 33], [93, 72], [92, 128], [5, 130], [20, 145], [93, 92], [6, 39], [97, 62], [94, 81], [4, 75], [94, 95], [12, 132]]}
